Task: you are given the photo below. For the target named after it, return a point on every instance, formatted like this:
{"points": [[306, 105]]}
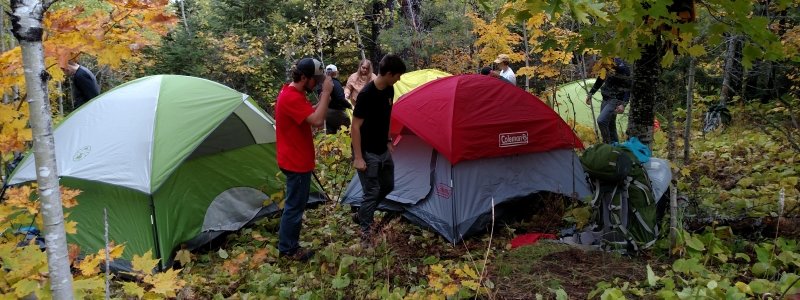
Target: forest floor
{"points": [[736, 177]]}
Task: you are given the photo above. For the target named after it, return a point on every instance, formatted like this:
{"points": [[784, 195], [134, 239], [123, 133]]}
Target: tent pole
{"points": [[453, 200], [155, 233]]}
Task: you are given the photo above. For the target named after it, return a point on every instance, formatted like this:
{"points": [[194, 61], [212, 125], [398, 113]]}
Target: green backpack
{"points": [[624, 207]]}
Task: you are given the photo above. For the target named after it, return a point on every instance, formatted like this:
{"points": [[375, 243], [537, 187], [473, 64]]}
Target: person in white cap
{"points": [[337, 115], [505, 70]]}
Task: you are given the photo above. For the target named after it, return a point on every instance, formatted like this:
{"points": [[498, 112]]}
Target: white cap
{"points": [[331, 68]]}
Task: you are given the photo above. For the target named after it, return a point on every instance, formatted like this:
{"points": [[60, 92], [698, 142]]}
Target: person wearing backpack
{"points": [[616, 91]]}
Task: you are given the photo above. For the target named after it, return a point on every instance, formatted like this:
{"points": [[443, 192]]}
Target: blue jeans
{"points": [[377, 181], [298, 187], [607, 121]]}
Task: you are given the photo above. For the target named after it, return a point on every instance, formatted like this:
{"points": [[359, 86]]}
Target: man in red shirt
{"points": [[294, 117]]}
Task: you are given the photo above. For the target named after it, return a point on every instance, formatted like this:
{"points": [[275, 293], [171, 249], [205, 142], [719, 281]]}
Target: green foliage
{"points": [[710, 268], [24, 271], [333, 162], [741, 171], [397, 267], [440, 40]]}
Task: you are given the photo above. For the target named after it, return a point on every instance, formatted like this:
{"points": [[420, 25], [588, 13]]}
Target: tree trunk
{"points": [[527, 64], [183, 16], [647, 70], [60, 99], [26, 21], [360, 45], [737, 69], [670, 128], [6, 98], [725, 91], [374, 20], [687, 132]]}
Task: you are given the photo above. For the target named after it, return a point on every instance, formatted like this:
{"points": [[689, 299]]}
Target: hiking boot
{"points": [[298, 255]]}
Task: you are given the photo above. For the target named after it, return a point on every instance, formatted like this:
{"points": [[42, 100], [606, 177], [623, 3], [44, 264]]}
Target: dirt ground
{"points": [[545, 267]]}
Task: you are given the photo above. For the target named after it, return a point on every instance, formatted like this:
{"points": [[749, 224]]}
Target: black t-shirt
{"points": [[84, 86], [338, 102], [375, 107]]}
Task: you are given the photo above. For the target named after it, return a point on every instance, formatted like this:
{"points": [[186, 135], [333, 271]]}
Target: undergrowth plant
{"points": [[23, 262]]}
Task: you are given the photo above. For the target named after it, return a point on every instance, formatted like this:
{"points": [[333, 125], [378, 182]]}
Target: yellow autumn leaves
{"points": [[547, 58]]}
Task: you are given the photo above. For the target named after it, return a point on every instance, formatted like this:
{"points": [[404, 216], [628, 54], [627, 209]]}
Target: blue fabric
{"points": [[642, 152], [298, 187]]}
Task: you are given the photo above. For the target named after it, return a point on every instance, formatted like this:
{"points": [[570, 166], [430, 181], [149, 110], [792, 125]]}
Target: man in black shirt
{"points": [[372, 145], [84, 84]]}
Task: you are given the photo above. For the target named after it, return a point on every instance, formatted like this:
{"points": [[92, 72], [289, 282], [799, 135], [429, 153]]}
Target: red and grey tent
{"points": [[465, 142]]}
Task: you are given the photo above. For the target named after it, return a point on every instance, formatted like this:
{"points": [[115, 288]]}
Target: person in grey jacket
{"points": [[616, 91]]}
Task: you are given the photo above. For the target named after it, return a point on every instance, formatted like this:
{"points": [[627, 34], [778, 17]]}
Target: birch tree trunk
{"points": [[26, 23], [6, 98], [183, 16], [687, 133]]}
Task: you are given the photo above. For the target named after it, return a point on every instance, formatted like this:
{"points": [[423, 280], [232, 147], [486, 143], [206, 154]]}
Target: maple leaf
{"points": [[20, 198], [73, 252], [165, 283], [71, 227], [450, 289], [144, 263], [89, 284], [184, 257], [258, 237], [131, 288], [25, 287], [89, 265], [114, 251], [68, 197], [258, 257]]}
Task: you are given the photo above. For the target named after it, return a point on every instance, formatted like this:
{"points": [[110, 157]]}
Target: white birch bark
{"points": [[26, 23]]}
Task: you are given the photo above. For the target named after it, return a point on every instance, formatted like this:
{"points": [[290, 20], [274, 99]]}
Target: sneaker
{"points": [[298, 255]]}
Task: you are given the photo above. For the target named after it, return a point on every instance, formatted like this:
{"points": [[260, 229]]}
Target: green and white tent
{"points": [[174, 160], [571, 106]]}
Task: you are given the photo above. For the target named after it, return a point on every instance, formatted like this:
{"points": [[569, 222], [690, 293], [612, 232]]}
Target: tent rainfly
{"points": [[173, 159], [465, 143]]}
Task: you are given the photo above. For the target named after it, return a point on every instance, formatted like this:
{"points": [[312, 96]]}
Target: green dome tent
{"points": [[412, 80], [174, 160], [571, 106]]}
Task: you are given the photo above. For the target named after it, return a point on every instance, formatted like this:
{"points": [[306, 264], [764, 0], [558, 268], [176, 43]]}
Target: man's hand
{"points": [[360, 164], [327, 86], [619, 109], [588, 100], [390, 146]]}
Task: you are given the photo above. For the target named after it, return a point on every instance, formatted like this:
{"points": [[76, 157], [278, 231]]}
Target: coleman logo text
{"points": [[513, 139]]}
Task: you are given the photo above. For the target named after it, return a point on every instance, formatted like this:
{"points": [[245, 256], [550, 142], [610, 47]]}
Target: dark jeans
{"points": [[607, 121], [335, 119], [298, 187], [377, 181]]}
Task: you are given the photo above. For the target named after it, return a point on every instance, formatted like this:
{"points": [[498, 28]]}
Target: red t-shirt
{"points": [[293, 133]]}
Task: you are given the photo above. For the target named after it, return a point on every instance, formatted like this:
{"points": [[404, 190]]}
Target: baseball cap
{"points": [[311, 68], [331, 68], [501, 58]]}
